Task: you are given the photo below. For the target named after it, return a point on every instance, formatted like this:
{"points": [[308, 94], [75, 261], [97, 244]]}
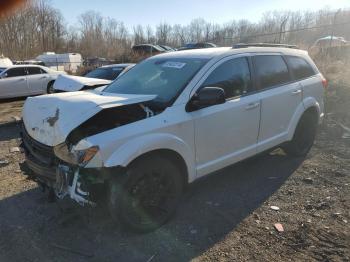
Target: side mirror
{"points": [[205, 97]]}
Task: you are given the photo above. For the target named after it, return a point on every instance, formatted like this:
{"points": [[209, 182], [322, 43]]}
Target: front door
{"points": [[13, 83], [227, 133]]}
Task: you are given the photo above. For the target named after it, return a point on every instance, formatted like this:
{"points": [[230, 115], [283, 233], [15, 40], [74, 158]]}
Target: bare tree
{"points": [[37, 27], [163, 33], [139, 35]]}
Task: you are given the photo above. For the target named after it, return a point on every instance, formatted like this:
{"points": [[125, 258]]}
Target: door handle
{"points": [[252, 106], [43, 77], [22, 79], [296, 92]]}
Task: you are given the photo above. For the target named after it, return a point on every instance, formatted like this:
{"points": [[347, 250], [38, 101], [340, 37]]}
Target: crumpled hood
{"points": [[50, 118], [75, 83]]}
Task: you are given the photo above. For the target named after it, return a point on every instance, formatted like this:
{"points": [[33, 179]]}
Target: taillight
{"points": [[324, 82]]}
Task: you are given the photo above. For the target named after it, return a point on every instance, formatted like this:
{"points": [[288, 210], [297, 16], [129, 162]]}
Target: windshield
{"points": [[2, 69], [165, 78], [108, 73]]}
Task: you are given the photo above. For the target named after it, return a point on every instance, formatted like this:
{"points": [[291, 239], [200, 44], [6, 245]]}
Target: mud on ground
{"points": [[224, 217]]}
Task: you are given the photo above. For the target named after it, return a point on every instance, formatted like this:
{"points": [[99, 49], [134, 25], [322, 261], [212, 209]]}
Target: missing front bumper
{"points": [[68, 183]]}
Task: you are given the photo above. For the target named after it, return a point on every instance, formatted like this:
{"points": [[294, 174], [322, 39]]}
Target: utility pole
{"points": [[282, 27], [333, 25]]}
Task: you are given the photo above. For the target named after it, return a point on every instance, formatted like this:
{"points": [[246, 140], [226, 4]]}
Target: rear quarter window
{"points": [[299, 67], [271, 70]]}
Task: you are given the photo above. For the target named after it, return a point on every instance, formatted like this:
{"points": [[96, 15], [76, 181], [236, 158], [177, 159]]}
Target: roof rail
{"points": [[244, 45]]}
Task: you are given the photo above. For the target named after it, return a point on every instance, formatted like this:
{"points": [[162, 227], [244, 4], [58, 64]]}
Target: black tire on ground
{"points": [[50, 89], [148, 195], [304, 135]]}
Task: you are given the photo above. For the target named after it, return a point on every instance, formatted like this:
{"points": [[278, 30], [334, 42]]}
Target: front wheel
{"points": [[149, 194], [304, 136]]}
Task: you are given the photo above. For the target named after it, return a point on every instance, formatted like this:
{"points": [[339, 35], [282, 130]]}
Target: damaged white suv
{"points": [[170, 120]]}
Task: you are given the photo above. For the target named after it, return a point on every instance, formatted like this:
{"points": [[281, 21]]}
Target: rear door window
{"points": [[233, 76], [299, 67], [271, 70], [18, 71], [34, 71]]}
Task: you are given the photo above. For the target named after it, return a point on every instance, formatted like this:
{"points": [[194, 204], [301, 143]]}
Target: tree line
{"points": [[38, 27]]}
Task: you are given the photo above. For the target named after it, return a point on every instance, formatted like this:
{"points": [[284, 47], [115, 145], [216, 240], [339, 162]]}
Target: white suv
{"points": [[170, 120]]}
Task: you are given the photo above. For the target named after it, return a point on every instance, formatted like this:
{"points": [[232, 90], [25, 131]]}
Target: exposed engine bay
{"points": [[62, 178]]}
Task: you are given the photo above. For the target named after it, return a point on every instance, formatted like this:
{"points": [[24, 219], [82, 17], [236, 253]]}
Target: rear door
{"points": [[36, 80], [280, 97], [309, 78], [227, 133], [14, 83]]}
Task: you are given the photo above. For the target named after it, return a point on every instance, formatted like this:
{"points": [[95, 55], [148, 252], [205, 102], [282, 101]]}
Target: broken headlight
{"points": [[75, 157]]}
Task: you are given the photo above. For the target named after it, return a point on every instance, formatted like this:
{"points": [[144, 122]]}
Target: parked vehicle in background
{"points": [[171, 120], [148, 49], [26, 80], [330, 41], [197, 46], [109, 72], [167, 48], [5, 62], [30, 62], [96, 78], [69, 61], [96, 61]]}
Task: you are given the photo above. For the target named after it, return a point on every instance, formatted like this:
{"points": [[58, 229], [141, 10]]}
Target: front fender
{"points": [[306, 104], [139, 146]]}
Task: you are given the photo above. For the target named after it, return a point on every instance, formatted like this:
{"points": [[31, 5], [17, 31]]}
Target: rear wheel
{"points": [[50, 89], [149, 194], [304, 135]]}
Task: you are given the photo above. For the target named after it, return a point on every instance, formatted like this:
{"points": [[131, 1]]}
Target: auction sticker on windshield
{"points": [[177, 65]]}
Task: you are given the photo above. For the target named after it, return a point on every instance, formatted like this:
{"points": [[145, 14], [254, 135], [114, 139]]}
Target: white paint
{"points": [[208, 139], [71, 109], [25, 84], [70, 83], [70, 61]]}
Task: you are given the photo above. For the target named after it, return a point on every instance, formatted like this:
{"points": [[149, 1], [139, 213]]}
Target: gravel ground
{"points": [[224, 217], [10, 109]]}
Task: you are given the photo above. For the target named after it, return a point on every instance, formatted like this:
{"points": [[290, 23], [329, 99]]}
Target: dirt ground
{"points": [[10, 109], [224, 217]]}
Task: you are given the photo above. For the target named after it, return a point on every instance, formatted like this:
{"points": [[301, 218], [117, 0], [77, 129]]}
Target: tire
{"points": [[50, 89], [148, 196], [304, 136]]}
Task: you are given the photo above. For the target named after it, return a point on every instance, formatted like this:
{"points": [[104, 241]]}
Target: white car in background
{"points": [[98, 77], [26, 80]]}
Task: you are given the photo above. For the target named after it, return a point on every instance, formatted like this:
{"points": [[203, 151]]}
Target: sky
{"points": [[152, 12]]}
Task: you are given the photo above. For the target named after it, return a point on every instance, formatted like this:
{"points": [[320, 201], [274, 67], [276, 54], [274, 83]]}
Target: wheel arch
{"points": [[309, 106], [166, 145], [168, 154]]}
